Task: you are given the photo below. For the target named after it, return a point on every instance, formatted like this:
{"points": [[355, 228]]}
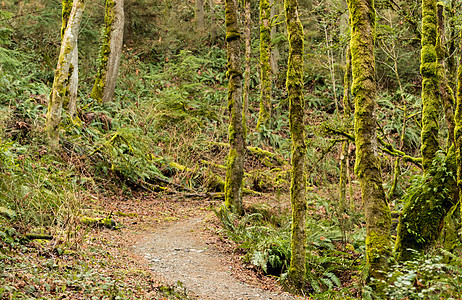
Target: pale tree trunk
{"points": [[111, 52], [200, 14], [265, 68], [70, 102], [213, 25], [377, 212], [294, 84], [248, 53], [274, 47], [235, 165], [61, 84]]}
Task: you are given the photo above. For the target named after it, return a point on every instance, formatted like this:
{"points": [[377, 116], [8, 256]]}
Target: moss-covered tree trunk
{"points": [[445, 91], [421, 221], [248, 56], [377, 212], [70, 100], [64, 70], [458, 129], [428, 69], [235, 165], [111, 51], [294, 84], [265, 66]]}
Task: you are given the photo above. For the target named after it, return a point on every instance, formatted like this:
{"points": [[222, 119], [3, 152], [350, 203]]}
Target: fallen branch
{"points": [[36, 236]]}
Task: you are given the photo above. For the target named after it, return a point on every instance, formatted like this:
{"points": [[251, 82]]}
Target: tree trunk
{"points": [[111, 51], [200, 15], [445, 91], [235, 165], [346, 117], [70, 101], [61, 83], [274, 47], [265, 68], [421, 222], [294, 84], [248, 54], [377, 212], [458, 130], [428, 69]]}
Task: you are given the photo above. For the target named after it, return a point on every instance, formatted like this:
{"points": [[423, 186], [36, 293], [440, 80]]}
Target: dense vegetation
{"points": [[166, 133]]}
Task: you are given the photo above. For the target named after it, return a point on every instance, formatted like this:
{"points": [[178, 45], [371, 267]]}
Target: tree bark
{"points": [[458, 129], [111, 51], [274, 47], [200, 15], [70, 101], [294, 84], [235, 164], [61, 83], [377, 212], [445, 91], [265, 67], [428, 69], [248, 54]]}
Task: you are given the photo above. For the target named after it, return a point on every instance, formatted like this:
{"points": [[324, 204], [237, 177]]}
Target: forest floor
{"points": [[178, 241]]}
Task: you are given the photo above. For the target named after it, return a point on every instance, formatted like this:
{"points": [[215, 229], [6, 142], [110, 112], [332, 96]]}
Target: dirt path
{"points": [[178, 252]]}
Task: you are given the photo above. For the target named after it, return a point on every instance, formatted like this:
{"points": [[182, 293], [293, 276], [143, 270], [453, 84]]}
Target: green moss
{"points": [[235, 163], [66, 12], [105, 51], [294, 84], [265, 68], [427, 203], [428, 69], [367, 167], [458, 130]]}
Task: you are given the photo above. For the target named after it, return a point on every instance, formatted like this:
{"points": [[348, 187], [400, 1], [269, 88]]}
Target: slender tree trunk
{"points": [[458, 129], [235, 165], [274, 47], [111, 51], [377, 212], [213, 23], [445, 91], [70, 101], [428, 69], [61, 83], [248, 54], [346, 116], [294, 84], [200, 15], [265, 67]]}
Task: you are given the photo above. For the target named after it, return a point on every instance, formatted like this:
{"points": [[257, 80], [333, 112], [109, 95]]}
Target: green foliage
{"points": [[426, 277], [265, 238]]}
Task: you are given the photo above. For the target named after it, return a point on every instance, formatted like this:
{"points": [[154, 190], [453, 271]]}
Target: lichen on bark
{"points": [[264, 115], [294, 83], [63, 72], [235, 164], [111, 51], [367, 167]]}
